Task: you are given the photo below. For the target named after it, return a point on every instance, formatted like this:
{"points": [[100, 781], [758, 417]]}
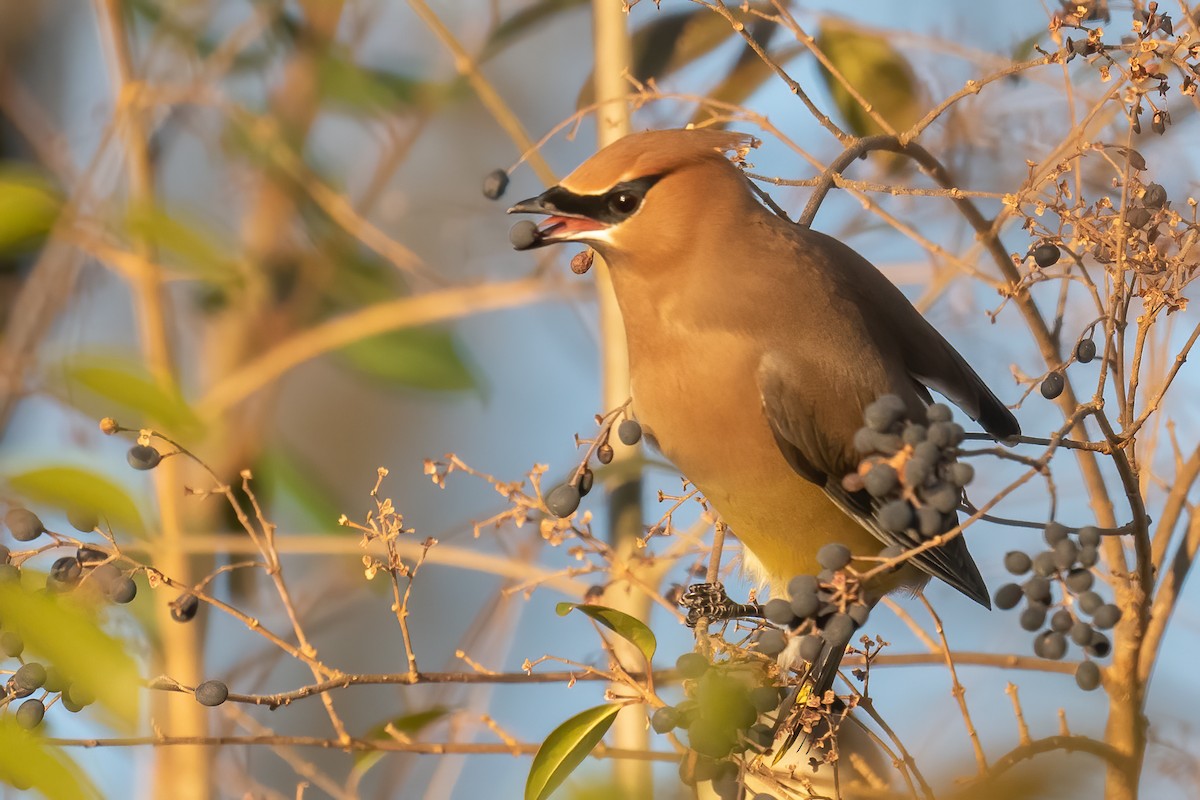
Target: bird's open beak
{"points": [[560, 225]]}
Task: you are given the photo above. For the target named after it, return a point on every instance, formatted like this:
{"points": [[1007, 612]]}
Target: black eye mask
{"points": [[615, 205]]}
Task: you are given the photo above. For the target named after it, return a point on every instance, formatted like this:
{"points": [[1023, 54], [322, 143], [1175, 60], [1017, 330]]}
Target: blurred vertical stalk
{"points": [[613, 60], [180, 772], [259, 314], [273, 299]]}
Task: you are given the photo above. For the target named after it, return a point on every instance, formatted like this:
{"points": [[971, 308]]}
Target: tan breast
{"points": [[695, 388]]}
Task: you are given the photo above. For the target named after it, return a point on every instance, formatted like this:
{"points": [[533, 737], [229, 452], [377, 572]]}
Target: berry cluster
{"points": [[1046, 254], [86, 566], [910, 470], [720, 717], [1054, 383], [88, 570], [68, 572], [823, 610], [32, 676], [725, 702], [1066, 564], [563, 500]]}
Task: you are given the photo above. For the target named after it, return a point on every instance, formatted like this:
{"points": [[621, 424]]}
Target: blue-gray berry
{"points": [[1087, 676], [885, 412], [212, 693], [1018, 562], [563, 500], [495, 183], [779, 611], [895, 516], [833, 556], [1007, 596]]}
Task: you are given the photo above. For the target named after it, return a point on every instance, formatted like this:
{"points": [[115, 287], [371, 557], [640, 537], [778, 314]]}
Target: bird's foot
{"points": [[709, 602]]}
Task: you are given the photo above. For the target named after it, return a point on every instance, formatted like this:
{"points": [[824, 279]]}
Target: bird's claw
{"points": [[709, 602]]}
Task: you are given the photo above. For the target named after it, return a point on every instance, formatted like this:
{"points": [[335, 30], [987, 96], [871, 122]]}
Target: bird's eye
{"points": [[624, 202]]}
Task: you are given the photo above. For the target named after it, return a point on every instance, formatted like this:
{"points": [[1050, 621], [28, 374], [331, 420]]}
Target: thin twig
{"points": [[302, 767], [1166, 599], [908, 620], [960, 694], [392, 315], [388, 745], [1022, 728], [469, 69], [910, 763], [1071, 744], [740, 28], [1173, 507]]}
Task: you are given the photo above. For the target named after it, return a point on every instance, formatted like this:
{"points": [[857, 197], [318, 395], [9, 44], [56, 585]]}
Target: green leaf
{"points": [[565, 749], [629, 628], [409, 725], [66, 634], [28, 207], [301, 484], [273, 43], [523, 22], [66, 487], [877, 71], [115, 386], [166, 24], [669, 43], [363, 277], [1025, 48], [27, 761], [193, 248], [356, 88], [747, 76], [423, 358]]}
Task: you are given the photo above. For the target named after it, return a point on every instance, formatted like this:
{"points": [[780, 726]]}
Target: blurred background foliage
{"points": [[257, 227]]}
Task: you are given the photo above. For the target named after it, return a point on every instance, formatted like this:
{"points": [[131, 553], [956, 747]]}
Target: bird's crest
{"points": [[655, 153]]}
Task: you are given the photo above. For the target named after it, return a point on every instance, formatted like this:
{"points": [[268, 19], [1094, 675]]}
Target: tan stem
{"points": [[185, 772], [255, 373], [613, 59]]}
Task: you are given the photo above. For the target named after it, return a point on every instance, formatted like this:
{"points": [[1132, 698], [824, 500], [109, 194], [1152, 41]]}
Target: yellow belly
{"points": [[707, 418]]}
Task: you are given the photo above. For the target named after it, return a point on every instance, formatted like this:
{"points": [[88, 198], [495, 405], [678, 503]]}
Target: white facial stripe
{"points": [[602, 235]]}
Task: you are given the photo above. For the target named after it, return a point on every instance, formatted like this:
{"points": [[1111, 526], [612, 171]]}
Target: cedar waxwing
{"points": [[755, 345]]}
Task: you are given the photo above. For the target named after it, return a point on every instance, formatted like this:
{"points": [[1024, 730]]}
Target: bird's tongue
{"points": [[559, 226]]}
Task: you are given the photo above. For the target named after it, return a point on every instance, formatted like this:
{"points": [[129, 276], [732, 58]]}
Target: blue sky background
{"points": [[540, 366]]}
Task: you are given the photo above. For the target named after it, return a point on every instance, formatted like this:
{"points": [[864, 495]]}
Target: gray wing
{"points": [[896, 326], [813, 420]]}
